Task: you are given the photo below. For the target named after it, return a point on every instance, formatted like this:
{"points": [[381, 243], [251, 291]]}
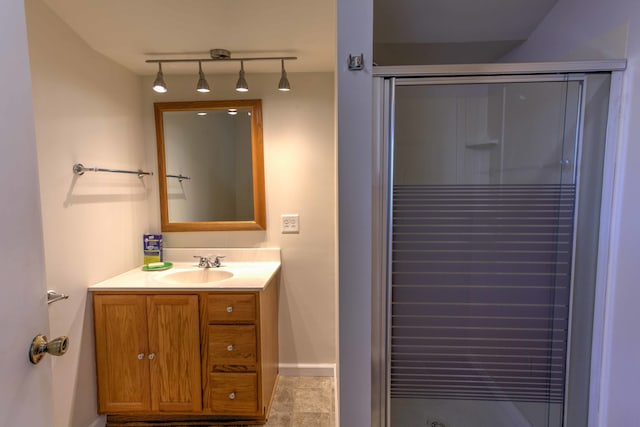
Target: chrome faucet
{"points": [[205, 261]]}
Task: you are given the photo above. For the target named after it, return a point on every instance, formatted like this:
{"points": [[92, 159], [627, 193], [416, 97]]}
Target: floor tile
{"points": [[312, 400], [303, 402], [315, 382], [283, 400], [278, 419], [310, 419], [288, 382]]}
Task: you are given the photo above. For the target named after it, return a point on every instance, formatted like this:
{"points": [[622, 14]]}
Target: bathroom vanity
{"points": [[186, 346]]}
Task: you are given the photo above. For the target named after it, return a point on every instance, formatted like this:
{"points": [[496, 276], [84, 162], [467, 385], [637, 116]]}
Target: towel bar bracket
{"points": [[53, 296]]}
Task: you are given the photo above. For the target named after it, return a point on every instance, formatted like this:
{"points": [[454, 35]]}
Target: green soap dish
{"points": [[166, 265]]}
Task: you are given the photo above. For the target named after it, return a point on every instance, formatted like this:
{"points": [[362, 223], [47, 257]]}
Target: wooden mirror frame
{"points": [[257, 161]]}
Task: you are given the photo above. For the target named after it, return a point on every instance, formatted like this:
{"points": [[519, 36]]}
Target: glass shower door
{"points": [[482, 234]]}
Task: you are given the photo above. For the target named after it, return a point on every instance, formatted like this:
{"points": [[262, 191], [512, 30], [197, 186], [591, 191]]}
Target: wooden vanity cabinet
{"points": [[180, 356], [147, 353]]}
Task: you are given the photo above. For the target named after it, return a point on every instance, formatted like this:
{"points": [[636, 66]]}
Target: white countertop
{"points": [[247, 276]]}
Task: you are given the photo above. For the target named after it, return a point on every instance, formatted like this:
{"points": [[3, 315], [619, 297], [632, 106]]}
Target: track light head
{"points": [[159, 85], [241, 85], [203, 86], [283, 85]]}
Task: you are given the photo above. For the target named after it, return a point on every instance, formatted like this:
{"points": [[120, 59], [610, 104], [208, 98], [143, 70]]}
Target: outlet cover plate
{"points": [[290, 223]]}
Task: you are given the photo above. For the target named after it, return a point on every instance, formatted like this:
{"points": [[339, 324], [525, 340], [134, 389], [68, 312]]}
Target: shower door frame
{"points": [[384, 82]]}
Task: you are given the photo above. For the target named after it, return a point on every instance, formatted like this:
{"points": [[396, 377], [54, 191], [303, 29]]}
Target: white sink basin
{"points": [[193, 276]]}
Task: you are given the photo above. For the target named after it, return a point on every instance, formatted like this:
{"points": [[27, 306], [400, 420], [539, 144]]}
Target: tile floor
{"points": [[303, 402]]}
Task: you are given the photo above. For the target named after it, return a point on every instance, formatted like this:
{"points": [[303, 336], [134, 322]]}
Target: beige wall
{"points": [[299, 155], [87, 109]]}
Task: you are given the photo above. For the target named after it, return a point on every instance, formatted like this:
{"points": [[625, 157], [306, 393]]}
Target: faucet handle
{"points": [[216, 262], [203, 261]]}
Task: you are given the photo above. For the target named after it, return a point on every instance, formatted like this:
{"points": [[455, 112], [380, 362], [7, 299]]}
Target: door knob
{"points": [[40, 346]]}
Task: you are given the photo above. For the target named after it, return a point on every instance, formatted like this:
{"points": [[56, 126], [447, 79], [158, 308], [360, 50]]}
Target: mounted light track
{"points": [[221, 55]]}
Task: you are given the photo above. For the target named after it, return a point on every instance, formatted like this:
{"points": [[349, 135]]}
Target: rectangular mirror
{"points": [[210, 165]]}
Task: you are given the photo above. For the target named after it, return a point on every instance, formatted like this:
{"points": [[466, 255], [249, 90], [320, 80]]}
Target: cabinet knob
{"points": [[152, 356], [230, 347], [140, 356], [229, 309], [232, 395]]}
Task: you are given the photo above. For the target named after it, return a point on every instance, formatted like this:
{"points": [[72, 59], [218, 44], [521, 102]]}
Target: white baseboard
{"points": [[308, 369]]}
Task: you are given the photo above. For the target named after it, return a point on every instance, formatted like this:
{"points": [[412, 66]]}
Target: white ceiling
{"points": [[405, 31], [131, 31]]}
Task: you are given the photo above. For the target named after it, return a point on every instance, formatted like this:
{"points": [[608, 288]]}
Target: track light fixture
{"points": [[159, 85], [284, 86], [221, 55], [242, 85], [203, 86]]}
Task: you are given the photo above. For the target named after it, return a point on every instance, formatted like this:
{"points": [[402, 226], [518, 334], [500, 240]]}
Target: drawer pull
{"points": [[140, 356], [232, 395], [229, 309], [152, 356], [230, 347]]}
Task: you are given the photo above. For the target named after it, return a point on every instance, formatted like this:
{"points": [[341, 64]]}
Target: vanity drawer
{"points": [[231, 308], [232, 344], [234, 393]]}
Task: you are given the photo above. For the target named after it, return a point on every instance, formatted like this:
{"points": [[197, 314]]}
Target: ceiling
{"points": [[452, 31], [405, 31], [132, 31]]}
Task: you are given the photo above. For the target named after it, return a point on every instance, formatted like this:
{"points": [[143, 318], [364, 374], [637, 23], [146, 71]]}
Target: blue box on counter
{"points": [[152, 248]]}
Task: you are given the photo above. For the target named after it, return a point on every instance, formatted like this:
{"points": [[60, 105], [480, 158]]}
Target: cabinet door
{"points": [[174, 348], [121, 353]]}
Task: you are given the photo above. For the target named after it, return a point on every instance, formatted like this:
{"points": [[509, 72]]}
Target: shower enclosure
{"points": [[489, 219]]}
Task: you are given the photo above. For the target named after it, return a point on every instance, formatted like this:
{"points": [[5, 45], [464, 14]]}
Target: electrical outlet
{"points": [[290, 223]]}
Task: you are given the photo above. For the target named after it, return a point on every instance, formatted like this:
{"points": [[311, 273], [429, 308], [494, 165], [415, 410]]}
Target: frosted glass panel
{"points": [[484, 185], [516, 133]]}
